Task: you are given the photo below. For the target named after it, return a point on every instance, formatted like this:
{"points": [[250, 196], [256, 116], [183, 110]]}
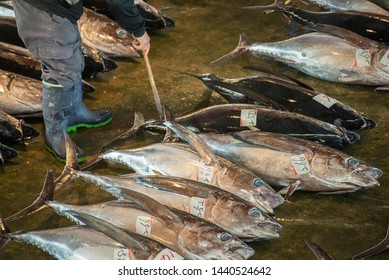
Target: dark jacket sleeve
{"points": [[127, 15]]}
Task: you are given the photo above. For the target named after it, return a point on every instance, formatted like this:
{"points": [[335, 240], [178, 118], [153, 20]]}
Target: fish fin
{"points": [[339, 191], [138, 125], [382, 88], [279, 75], [110, 230], [157, 172], [289, 190], [139, 122], [152, 206], [241, 48], [195, 141], [317, 250], [46, 194], [379, 248], [348, 76]]}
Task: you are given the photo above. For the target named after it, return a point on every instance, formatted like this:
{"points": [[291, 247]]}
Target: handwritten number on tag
{"points": [[248, 117], [300, 164], [143, 225]]}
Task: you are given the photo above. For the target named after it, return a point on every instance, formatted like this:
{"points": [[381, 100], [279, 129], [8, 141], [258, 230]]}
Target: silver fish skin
{"points": [[193, 238], [212, 204], [283, 160], [179, 160], [79, 243], [355, 5], [100, 32], [326, 57]]}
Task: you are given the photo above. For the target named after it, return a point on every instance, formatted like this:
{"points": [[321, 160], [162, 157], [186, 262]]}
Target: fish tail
{"points": [[241, 48], [71, 165], [47, 194], [380, 247]]}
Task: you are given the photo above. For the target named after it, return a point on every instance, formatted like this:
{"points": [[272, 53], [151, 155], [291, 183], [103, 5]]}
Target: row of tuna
{"points": [[209, 197]]}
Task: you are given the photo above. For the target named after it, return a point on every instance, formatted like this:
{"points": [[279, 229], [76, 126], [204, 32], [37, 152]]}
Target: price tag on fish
{"points": [[123, 254], [385, 59], [300, 164], [248, 117], [362, 57], [197, 206], [168, 255], [143, 225], [205, 174], [325, 100]]}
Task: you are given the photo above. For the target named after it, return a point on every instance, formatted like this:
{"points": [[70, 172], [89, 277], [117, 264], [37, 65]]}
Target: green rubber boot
{"points": [[81, 117]]}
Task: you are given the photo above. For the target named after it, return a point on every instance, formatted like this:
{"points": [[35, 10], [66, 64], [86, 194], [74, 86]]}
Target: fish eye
{"points": [[352, 161], [225, 236], [121, 32], [258, 183], [255, 212]]}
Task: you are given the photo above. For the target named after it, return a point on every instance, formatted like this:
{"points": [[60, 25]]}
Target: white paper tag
{"points": [[143, 225], [248, 117], [325, 100], [362, 57], [385, 59], [123, 254], [205, 174], [300, 164], [168, 255], [197, 206]]}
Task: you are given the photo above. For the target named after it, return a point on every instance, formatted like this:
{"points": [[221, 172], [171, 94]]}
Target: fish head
{"points": [[261, 194], [244, 220], [202, 240], [106, 35], [343, 172], [28, 131]]}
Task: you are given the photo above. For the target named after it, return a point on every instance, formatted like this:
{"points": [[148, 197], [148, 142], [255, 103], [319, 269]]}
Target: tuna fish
{"points": [[180, 160], [20, 96], [202, 200], [85, 243], [237, 117], [154, 19], [190, 237], [281, 94], [372, 26], [324, 56], [100, 32], [295, 164]]}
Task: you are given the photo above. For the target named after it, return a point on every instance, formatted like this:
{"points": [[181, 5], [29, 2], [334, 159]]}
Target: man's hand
{"points": [[142, 43]]}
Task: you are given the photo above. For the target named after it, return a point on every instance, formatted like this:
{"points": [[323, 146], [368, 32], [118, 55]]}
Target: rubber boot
{"points": [[56, 105], [81, 116]]}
